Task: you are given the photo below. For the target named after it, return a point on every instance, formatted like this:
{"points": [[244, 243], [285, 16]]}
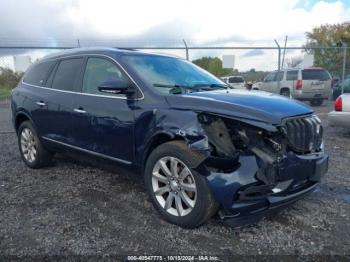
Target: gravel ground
{"points": [[82, 208]]}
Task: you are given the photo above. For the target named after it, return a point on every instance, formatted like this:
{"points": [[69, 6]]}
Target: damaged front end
{"points": [[254, 168]]}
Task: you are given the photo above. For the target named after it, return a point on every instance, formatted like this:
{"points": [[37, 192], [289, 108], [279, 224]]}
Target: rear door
{"points": [[291, 79], [316, 81], [36, 94], [59, 102], [275, 86], [103, 122]]}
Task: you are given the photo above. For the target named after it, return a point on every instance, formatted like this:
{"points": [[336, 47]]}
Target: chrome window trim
{"points": [[89, 152], [81, 93]]}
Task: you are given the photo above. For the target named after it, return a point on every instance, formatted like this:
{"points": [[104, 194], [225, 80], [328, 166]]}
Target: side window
{"points": [[279, 76], [38, 73], [97, 71], [67, 74], [292, 75], [270, 77]]}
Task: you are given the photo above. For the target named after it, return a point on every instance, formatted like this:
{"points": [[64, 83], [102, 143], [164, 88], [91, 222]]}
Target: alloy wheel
{"points": [[174, 186], [28, 145]]}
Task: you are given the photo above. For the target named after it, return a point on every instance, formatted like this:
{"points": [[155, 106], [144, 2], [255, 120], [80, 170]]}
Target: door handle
{"points": [[79, 110], [40, 103]]}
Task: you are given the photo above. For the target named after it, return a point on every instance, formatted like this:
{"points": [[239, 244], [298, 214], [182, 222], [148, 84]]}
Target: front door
{"points": [[103, 122], [269, 81]]}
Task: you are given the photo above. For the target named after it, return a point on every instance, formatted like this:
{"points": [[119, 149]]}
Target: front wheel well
{"points": [[20, 118], [157, 141]]}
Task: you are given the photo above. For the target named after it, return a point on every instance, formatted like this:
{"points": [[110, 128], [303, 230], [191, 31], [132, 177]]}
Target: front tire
{"points": [[180, 194], [33, 154]]}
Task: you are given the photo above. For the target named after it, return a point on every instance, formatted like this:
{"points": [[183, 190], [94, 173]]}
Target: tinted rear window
{"points": [[67, 74], [236, 80], [38, 73], [315, 74], [292, 75]]}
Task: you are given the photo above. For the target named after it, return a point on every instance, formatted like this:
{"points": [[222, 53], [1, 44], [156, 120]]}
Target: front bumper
{"points": [[297, 176]]}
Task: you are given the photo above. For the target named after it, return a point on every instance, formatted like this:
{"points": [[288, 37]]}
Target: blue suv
{"points": [[201, 147]]}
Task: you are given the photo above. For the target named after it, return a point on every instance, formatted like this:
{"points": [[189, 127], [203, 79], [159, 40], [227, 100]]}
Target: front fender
{"points": [[182, 124]]}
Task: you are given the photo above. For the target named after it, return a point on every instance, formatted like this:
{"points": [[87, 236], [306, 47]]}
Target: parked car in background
{"points": [[311, 84], [338, 88], [256, 85], [335, 81], [199, 147], [236, 82], [341, 114]]}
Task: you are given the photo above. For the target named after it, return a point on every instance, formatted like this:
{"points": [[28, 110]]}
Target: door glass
{"points": [[280, 76], [38, 73], [292, 75], [270, 77], [67, 74], [97, 71]]}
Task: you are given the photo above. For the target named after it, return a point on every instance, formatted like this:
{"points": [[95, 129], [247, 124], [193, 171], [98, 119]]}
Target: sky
{"points": [[166, 23]]}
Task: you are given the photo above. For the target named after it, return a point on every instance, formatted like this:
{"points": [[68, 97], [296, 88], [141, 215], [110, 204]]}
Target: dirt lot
{"points": [[75, 207]]}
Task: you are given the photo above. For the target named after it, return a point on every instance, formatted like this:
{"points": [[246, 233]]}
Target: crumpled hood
{"points": [[253, 105]]}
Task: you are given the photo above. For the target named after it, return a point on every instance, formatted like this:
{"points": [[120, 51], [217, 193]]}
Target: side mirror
{"points": [[115, 86]]}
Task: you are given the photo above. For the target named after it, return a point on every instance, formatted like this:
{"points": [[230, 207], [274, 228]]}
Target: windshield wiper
{"points": [[183, 88], [170, 86], [224, 86], [194, 88]]}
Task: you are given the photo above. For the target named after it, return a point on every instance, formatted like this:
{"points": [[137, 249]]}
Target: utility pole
{"points": [[284, 51], [78, 42], [344, 64], [279, 65], [186, 48]]}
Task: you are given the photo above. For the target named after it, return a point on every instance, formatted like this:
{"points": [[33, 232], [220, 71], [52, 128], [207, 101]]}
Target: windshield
{"points": [[172, 75]]}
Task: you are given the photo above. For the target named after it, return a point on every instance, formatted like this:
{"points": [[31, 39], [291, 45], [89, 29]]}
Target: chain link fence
{"points": [[253, 62]]}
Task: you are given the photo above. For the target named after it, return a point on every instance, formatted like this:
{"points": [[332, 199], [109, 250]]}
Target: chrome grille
{"points": [[304, 134]]}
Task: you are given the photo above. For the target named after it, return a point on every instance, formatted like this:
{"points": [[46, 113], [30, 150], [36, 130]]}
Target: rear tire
{"points": [[316, 102], [285, 92], [33, 154], [169, 174]]}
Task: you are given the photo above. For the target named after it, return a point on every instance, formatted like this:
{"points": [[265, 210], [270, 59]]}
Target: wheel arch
{"points": [[20, 117], [156, 140], [284, 88]]}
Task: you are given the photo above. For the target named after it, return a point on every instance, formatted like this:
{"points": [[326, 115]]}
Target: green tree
{"points": [[327, 36], [213, 65], [9, 78], [253, 75]]}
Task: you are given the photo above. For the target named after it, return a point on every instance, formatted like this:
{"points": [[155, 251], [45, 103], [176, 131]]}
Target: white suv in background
{"points": [[310, 84], [236, 82]]}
